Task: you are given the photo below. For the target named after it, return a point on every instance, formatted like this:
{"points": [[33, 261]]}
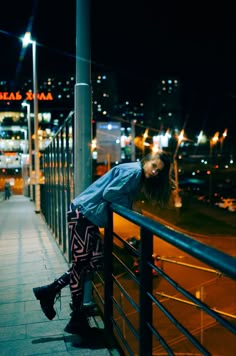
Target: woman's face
{"points": [[153, 167]]}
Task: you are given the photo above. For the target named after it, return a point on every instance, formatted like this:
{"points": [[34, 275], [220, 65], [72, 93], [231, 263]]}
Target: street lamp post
{"points": [[224, 135], [27, 40], [145, 135], [30, 146], [213, 141], [133, 156], [178, 200]]}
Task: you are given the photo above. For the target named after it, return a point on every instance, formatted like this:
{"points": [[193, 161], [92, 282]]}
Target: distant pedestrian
{"points": [[7, 189], [88, 211]]}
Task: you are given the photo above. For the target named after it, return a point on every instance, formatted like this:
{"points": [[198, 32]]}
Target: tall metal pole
{"points": [[83, 111], [29, 147], [36, 138], [27, 40], [178, 200], [133, 157], [30, 150]]}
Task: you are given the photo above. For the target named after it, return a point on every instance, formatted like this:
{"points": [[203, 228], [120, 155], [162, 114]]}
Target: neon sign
{"points": [[16, 96]]}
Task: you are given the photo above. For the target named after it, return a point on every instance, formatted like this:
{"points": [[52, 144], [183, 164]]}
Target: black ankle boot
{"points": [[89, 309], [47, 295], [78, 323]]}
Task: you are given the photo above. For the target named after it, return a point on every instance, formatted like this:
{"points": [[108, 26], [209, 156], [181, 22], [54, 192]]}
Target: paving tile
{"points": [[11, 308], [12, 333], [30, 257], [37, 346]]}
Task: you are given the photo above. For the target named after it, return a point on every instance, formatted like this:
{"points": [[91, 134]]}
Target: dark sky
{"points": [[139, 40]]}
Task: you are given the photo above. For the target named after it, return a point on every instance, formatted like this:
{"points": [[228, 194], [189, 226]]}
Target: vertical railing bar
{"points": [[108, 269], [63, 188], [145, 317], [54, 188], [59, 181]]}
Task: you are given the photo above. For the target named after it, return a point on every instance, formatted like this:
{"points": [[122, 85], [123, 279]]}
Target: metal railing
{"points": [[58, 190], [143, 336], [143, 320]]}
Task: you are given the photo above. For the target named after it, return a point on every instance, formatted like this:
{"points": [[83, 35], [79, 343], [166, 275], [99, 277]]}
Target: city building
{"points": [[164, 107]]}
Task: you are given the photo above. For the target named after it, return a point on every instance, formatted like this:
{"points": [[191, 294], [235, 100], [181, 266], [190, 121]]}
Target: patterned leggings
{"points": [[86, 249]]}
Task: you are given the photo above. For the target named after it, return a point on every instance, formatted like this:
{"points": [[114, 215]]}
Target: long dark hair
{"points": [[157, 189]]}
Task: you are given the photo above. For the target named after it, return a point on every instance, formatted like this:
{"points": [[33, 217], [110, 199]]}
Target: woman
{"points": [[88, 212], [7, 189]]}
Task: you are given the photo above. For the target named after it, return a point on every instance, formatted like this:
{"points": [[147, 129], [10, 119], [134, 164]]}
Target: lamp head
{"points": [[27, 39], [25, 104]]}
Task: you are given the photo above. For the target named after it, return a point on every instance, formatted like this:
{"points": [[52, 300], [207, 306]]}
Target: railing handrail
{"points": [[65, 122], [209, 255]]}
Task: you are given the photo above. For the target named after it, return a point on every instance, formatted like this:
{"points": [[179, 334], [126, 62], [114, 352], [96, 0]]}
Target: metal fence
{"points": [[58, 190], [144, 320], [143, 331]]}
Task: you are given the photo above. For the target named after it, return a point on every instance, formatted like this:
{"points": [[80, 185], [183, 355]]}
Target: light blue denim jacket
{"points": [[119, 185]]}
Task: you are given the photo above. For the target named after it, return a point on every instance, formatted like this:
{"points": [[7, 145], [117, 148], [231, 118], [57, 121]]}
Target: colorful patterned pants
{"points": [[86, 250]]}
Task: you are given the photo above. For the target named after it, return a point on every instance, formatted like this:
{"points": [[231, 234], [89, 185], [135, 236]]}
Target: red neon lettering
{"points": [[18, 96], [49, 96], [29, 96]]}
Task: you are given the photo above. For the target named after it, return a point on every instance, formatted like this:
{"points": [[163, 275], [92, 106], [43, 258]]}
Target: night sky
{"points": [[140, 41]]}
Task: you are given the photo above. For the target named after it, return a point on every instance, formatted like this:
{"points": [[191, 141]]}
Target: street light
{"points": [[24, 104], [133, 156], [224, 135], [178, 200], [145, 136], [213, 142], [27, 40]]}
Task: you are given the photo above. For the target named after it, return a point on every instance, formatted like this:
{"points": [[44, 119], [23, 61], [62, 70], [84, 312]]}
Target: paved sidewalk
{"points": [[29, 257]]}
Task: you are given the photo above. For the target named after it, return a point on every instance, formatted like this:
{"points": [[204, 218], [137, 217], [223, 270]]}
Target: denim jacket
{"points": [[119, 185]]}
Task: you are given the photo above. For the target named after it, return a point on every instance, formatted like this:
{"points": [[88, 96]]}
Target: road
{"points": [[217, 291]]}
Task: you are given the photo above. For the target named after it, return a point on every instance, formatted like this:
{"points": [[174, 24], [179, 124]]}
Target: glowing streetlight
{"points": [[213, 142], [145, 136], [26, 41], [224, 135], [24, 104], [133, 155], [214, 139], [199, 137], [178, 200], [140, 141]]}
